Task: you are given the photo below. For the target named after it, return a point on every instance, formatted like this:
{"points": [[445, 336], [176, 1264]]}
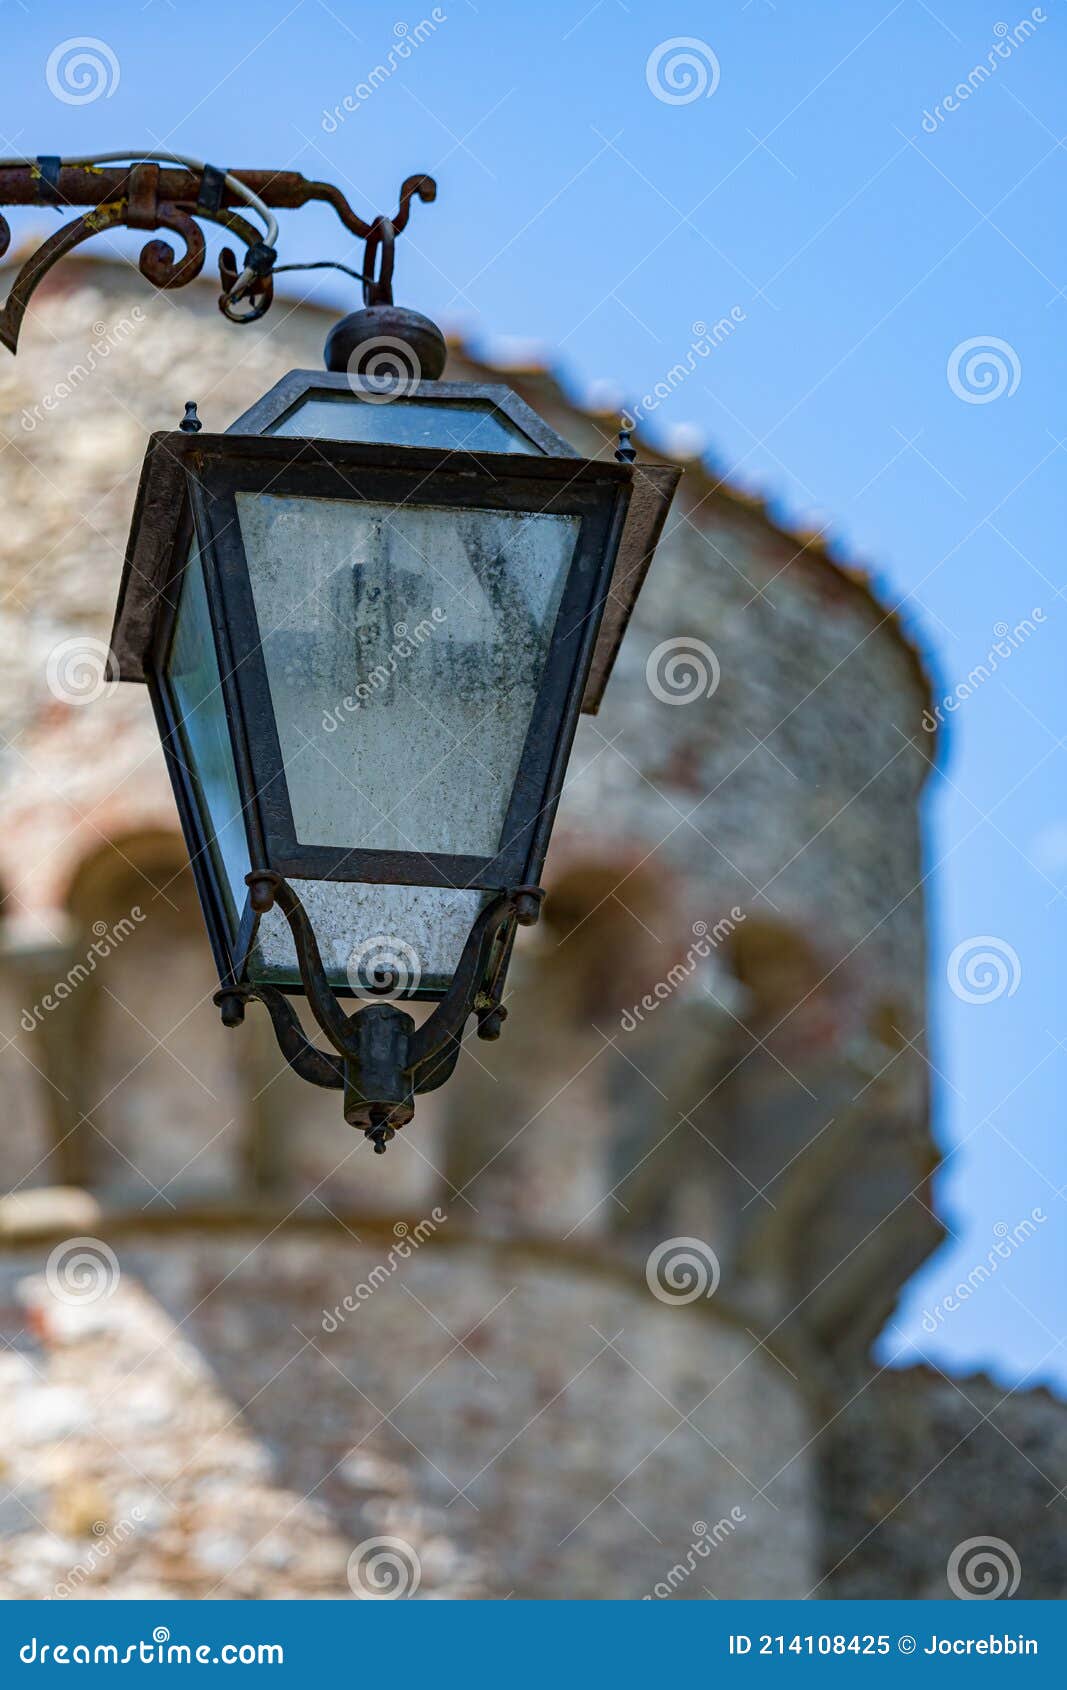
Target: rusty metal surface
{"points": [[653, 489], [150, 196]]}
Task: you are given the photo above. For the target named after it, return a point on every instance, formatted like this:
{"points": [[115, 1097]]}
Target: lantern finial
{"points": [[387, 346]]}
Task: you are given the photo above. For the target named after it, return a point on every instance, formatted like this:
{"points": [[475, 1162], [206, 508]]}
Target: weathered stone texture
{"points": [[435, 1412], [918, 1464]]}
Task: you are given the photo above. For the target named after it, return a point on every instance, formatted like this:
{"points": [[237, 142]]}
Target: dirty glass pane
{"points": [[461, 425], [367, 933], [204, 740], [404, 648]]}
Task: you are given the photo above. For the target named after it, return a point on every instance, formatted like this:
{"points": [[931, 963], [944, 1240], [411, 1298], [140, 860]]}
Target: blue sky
{"points": [[865, 246]]}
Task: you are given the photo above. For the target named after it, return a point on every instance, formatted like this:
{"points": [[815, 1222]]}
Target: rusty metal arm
{"points": [[149, 195]]}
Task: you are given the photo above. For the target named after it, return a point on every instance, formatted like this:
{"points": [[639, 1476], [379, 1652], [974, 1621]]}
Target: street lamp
{"points": [[368, 616]]}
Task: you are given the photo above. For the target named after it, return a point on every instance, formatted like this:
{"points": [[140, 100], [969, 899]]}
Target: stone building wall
{"points": [[513, 1448], [918, 1464], [716, 1035]]}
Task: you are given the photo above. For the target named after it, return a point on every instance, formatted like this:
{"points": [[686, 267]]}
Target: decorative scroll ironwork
{"points": [[150, 196], [382, 1058]]}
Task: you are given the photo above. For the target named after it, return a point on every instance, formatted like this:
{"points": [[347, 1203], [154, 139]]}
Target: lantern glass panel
{"points": [[404, 648], [203, 735], [419, 931], [464, 426]]}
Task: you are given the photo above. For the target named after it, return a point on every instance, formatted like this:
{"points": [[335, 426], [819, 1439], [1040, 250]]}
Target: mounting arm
{"points": [[167, 191]]}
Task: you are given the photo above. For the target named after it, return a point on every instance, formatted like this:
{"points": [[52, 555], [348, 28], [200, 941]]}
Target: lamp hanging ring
{"points": [[378, 273]]}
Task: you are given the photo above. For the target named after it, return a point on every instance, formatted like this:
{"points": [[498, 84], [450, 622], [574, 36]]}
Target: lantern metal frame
{"points": [[213, 469], [187, 493], [456, 481]]}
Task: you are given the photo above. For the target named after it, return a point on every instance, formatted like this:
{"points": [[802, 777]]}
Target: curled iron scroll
{"points": [[158, 262]]}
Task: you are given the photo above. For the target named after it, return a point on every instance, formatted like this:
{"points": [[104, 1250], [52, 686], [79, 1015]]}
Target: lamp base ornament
{"points": [[380, 1058]]}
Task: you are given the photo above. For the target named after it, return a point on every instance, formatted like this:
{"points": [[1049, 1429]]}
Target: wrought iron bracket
{"points": [[382, 1058], [150, 196]]}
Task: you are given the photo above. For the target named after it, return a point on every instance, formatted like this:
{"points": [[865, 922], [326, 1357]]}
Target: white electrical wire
{"points": [[247, 277]]}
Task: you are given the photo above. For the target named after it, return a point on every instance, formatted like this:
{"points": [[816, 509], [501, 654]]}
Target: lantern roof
{"points": [[326, 405]]}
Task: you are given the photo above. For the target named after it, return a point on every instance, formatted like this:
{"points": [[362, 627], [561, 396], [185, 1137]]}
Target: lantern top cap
{"points": [[295, 406]]}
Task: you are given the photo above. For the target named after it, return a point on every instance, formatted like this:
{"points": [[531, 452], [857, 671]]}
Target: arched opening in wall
{"points": [[178, 1109], [826, 1113], [160, 1090], [543, 1125]]}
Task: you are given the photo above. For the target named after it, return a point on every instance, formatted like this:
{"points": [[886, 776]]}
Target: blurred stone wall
{"points": [[513, 1443], [919, 1464], [679, 1197]]}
